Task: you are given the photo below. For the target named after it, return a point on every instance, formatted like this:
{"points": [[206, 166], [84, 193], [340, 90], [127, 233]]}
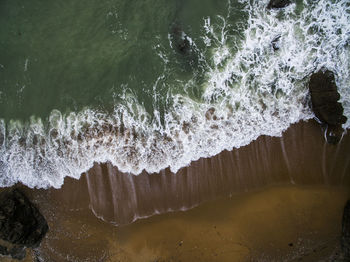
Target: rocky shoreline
{"points": [[325, 105], [21, 224]]}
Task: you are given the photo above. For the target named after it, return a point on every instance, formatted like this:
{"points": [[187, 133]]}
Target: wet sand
{"points": [[277, 199], [280, 223], [300, 157]]}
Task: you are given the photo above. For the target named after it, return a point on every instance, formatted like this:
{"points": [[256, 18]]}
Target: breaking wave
{"points": [[251, 88]]}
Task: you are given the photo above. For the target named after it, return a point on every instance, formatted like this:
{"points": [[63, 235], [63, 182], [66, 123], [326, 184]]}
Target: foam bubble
{"points": [[250, 90]]}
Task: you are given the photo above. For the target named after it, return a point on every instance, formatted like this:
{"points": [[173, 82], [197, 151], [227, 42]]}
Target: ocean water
{"points": [[147, 85]]}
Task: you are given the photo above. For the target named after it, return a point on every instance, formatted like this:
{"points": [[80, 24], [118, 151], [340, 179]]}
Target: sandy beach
{"points": [[163, 131], [280, 223], [277, 199]]}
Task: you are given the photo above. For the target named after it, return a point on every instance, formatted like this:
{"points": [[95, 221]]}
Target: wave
{"points": [[251, 88]]}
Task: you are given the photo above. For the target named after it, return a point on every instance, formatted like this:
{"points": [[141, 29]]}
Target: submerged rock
{"points": [[324, 98], [183, 46], [180, 40], [21, 224], [278, 3], [345, 237]]}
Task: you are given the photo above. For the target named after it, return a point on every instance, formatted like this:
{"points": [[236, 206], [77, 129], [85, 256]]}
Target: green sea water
{"points": [[68, 55]]}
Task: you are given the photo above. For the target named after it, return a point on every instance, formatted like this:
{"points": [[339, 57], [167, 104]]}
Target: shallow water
{"points": [[147, 86], [299, 157]]}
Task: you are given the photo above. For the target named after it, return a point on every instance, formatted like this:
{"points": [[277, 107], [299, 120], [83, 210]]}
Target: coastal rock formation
{"points": [[345, 238], [278, 3], [21, 224], [324, 98]]}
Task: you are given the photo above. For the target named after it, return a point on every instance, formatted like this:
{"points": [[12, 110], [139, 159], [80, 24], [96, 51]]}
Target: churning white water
{"points": [[250, 90]]}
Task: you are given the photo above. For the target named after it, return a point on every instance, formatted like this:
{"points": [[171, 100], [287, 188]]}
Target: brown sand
{"points": [[300, 157], [284, 223], [258, 200]]}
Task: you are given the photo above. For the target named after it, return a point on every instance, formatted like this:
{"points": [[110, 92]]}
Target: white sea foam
{"points": [[250, 91]]}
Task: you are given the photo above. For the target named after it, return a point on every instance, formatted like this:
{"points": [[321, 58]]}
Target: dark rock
{"points": [[276, 43], [21, 224], [278, 3], [345, 237], [331, 113], [183, 46], [322, 81], [4, 251], [334, 134], [324, 97], [321, 98], [180, 40], [18, 252]]}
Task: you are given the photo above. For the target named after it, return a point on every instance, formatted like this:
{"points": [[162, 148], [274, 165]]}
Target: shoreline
{"points": [[273, 192], [300, 157], [175, 131]]}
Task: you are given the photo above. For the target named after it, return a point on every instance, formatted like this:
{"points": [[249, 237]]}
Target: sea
{"points": [[150, 85]]}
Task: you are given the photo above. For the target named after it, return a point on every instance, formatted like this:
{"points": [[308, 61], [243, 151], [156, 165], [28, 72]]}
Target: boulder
{"points": [[330, 113], [322, 81], [278, 4], [324, 99], [21, 224]]}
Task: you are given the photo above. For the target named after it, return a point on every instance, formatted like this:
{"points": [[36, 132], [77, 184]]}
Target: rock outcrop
{"points": [[21, 224], [278, 4], [324, 98]]}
